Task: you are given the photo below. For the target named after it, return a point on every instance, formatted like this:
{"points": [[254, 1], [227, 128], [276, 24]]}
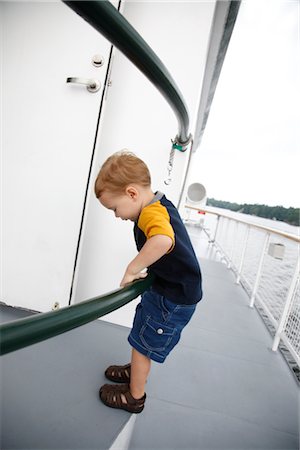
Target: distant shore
{"points": [[288, 215]]}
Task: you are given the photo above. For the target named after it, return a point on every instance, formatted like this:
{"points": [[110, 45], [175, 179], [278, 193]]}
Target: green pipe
{"points": [[39, 327], [106, 19]]}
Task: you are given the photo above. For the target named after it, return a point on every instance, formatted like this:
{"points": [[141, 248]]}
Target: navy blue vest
{"points": [[177, 274]]}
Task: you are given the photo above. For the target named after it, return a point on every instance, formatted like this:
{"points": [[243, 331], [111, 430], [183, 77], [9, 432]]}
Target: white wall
{"points": [[48, 130], [137, 117]]}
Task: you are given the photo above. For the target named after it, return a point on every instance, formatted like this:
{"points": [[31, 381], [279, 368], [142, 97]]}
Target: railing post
{"points": [[243, 256], [236, 225], [286, 309], [259, 270], [221, 244], [211, 241]]}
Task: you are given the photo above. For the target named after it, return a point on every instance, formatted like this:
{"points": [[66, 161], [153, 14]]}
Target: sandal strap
{"points": [[119, 373], [111, 395]]}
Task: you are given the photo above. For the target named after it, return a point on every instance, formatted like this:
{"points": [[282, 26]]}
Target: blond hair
{"points": [[120, 170]]}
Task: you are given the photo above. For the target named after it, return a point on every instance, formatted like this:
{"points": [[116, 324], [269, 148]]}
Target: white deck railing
{"points": [[266, 263]]}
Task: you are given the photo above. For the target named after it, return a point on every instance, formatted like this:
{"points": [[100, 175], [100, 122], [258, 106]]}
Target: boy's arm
{"points": [[153, 249]]}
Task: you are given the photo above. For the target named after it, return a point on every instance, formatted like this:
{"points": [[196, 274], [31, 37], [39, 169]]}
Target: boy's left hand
{"points": [[129, 277]]}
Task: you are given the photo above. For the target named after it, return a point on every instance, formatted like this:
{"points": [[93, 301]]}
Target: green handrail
{"points": [[30, 330], [106, 19]]}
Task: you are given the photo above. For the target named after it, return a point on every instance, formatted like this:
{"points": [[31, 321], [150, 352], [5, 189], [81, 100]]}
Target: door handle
{"points": [[91, 84]]}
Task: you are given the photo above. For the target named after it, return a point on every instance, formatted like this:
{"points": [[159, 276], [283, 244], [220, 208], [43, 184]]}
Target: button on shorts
{"points": [[157, 325]]}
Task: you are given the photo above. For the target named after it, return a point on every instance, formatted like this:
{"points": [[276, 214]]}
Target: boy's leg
{"points": [[140, 368]]}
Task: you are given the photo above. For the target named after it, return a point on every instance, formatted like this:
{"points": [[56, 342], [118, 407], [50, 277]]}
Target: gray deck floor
{"points": [[221, 388], [49, 391]]}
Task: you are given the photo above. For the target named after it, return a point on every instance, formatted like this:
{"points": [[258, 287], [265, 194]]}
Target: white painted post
{"points": [[286, 309], [259, 270], [216, 230], [243, 255], [236, 225]]}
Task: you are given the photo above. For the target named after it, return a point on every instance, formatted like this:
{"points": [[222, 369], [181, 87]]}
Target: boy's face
{"points": [[126, 206]]}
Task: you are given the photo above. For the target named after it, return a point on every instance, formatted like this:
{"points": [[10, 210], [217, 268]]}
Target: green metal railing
{"points": [[39, 327], [103, 16], [106, 19]]}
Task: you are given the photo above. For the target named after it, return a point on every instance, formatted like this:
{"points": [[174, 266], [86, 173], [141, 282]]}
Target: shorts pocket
{"points": [[167, 308], [156, 336], [164, 309]]}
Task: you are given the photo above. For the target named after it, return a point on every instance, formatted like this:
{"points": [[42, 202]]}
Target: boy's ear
{"points": [[132, 192]]}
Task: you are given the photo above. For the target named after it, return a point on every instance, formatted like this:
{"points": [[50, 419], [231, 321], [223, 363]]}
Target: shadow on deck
{"points": [[221, 388]]}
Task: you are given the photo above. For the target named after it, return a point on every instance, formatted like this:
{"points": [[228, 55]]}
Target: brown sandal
{"points": [[119, 374], [119, 396]]}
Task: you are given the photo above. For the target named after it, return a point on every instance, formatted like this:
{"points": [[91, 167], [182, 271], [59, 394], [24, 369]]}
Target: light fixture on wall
{"points": [[196, 197]]}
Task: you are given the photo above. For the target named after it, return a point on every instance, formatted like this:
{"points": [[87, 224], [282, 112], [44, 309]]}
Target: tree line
{"points": [[288, 215]]}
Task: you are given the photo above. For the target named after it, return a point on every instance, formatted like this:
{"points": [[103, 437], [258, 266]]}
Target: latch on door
{"points": [[98, 60], [91, 84]]}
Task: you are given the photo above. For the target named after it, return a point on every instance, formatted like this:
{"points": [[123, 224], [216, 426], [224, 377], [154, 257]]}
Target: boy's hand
{"points": [[153, 249], [130, 277]]}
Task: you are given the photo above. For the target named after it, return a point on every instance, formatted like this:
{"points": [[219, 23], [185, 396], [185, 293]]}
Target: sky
{"points": [[250, 150]]}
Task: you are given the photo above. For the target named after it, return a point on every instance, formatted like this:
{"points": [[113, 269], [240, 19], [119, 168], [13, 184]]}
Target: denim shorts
{"points": [[157, 325]]}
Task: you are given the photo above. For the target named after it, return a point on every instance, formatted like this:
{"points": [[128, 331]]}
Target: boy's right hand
{"points": [[130, 277]]}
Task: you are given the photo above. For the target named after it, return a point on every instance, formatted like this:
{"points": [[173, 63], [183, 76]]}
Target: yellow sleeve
{"points": [[154, 219]]}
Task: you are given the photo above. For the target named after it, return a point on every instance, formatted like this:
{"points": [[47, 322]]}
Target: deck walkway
{"points": [[221, 388]]}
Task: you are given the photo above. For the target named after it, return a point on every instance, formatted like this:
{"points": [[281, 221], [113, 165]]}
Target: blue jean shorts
{"points": [[157, 325]]}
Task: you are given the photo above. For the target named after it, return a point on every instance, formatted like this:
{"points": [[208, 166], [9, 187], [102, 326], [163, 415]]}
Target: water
{"points": [[276, 273]]}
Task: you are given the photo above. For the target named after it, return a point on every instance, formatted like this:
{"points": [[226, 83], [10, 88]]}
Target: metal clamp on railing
{"points": [[181, 148], [23, 332], [106, 19]]}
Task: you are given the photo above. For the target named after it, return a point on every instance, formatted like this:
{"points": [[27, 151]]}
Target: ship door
{"points": [[48, 132]]}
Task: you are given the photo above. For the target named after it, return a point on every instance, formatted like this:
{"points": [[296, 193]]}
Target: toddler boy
{"points": [[124, 186]]}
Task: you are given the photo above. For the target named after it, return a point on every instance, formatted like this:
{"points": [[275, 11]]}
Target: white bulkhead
{"points": [[51, 138]]}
